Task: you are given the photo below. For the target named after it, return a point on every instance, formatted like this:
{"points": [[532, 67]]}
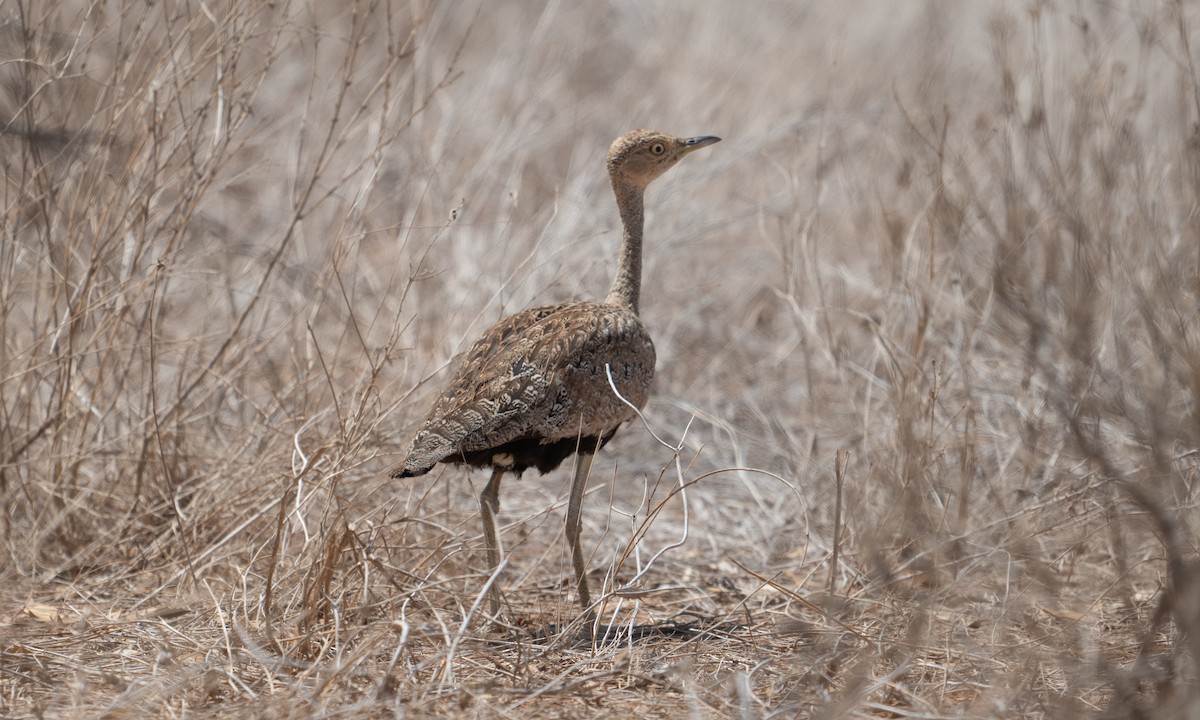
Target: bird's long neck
{"points": [[626, 286]]}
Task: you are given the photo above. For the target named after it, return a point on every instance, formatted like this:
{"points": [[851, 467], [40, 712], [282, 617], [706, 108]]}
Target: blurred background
{"points": [[926, 332]]}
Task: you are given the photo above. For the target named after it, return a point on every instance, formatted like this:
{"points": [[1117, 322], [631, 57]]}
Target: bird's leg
{"points": [[489, 506], [582, 468]]}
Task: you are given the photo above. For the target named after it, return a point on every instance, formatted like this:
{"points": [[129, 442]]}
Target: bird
{"points": [[534, 389]]}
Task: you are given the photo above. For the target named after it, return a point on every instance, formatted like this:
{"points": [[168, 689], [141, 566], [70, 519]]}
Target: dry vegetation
{"points": [[929, 356]]}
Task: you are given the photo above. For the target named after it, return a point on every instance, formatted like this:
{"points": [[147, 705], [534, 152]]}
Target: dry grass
{"points": [[927, 328]]}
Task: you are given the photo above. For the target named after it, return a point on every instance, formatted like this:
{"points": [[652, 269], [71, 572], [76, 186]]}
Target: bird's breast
{"points": [[584, 400]]}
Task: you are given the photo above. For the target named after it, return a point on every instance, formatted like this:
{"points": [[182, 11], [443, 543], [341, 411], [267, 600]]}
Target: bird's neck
{"points": [[627, 284]]}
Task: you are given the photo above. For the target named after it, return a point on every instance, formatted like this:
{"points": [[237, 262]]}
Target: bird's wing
{"points": [[511, 383]]}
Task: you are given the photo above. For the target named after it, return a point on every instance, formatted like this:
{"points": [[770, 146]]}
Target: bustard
{"points": [[533, 390]]}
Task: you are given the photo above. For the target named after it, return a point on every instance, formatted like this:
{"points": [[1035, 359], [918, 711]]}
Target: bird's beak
{"points": [[695, 143]]}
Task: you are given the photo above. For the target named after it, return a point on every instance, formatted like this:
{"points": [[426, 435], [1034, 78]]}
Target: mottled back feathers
{"points": [[537, 376]]}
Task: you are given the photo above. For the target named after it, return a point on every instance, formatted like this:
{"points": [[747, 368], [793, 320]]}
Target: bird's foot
{"points": [[593, 633]]}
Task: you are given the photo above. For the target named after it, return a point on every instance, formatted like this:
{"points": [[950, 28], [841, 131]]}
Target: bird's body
{"points": [[534, 388]]}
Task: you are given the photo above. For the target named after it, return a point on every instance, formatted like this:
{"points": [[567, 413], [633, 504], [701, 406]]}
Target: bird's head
{"points": [[637, 158]]}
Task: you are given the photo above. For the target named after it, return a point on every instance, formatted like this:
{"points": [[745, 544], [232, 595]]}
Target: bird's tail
{"points": [[407, 468], [428, 449]]}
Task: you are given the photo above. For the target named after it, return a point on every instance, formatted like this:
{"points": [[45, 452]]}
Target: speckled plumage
{"points": [[533, 389], [534, 380]]}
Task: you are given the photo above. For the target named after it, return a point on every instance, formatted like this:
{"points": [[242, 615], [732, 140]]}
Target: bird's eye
{"points": [[658, 148]]}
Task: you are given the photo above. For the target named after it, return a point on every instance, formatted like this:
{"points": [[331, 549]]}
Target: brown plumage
{"points": [[533, 389]]}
